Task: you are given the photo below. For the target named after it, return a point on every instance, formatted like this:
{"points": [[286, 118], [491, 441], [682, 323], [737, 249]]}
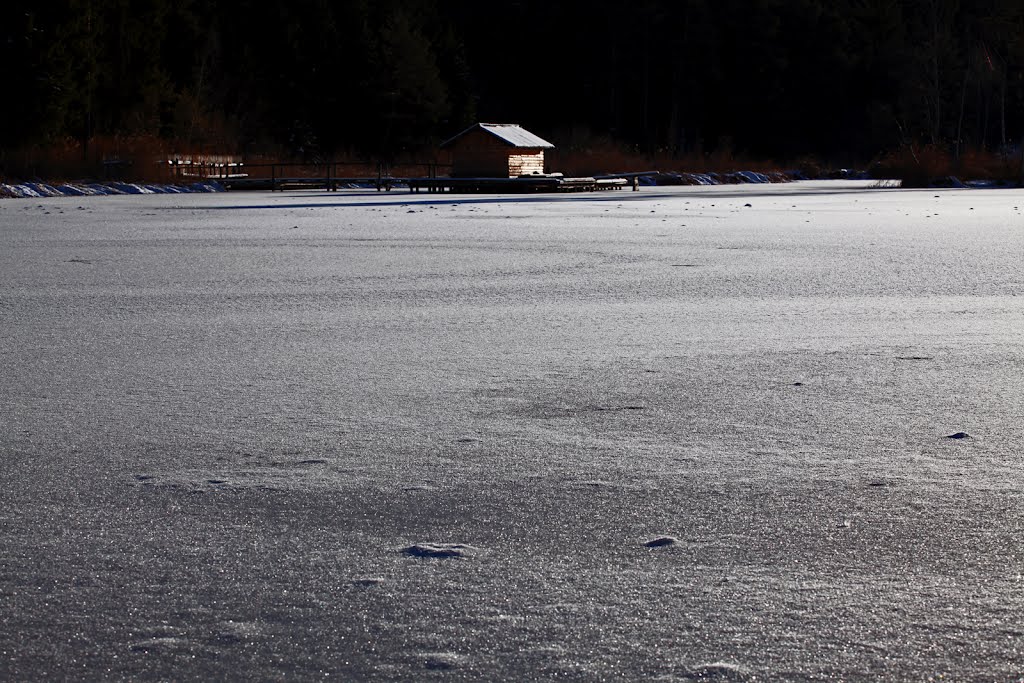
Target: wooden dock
{"points": [[515, 185], [441, 184], [329, 183], [332, 175]]}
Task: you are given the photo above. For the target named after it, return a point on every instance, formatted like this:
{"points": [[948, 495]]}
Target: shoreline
{"points": [[39, 190]]}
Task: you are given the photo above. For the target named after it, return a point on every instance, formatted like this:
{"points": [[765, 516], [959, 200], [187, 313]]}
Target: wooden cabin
{"points": [[496, 150]]}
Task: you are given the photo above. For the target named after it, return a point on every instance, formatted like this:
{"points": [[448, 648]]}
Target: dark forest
{"points": [[842, 80]]}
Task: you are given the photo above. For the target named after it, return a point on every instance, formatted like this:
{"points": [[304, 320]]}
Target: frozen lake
{"points": [[223, 418]]}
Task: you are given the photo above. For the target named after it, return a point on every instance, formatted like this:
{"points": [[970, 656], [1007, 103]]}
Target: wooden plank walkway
{"points": [[515, 185], [330, 184], [331, 175], [466, 185]]}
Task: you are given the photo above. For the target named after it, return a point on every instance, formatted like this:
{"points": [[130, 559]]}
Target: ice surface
{"points": [[225, 416]]}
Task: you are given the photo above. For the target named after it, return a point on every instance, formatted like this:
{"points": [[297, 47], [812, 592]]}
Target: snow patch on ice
{"points": [[439, 550], [160, 644], [441, 660], [717, 671], [662, 541], [27, 190], [731, 178]]}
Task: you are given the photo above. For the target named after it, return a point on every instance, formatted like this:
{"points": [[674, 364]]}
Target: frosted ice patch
{"points": [[718, 671], [442, 660], [264, 479], [160, 644], [439, 550], [368, 581], [232, 632], [662, 542]]}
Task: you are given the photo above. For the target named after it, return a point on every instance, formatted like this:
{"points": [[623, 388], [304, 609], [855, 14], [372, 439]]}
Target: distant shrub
{"points": [[810, 167], [975, 164], [932, 165], [914, 166], [140, 158], [603, 156]]}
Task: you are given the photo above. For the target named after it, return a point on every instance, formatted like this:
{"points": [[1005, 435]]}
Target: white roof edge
{"points": [[511, 133]]}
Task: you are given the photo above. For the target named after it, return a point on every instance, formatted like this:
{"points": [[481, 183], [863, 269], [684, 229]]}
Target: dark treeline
{"points": [[841, 79]]}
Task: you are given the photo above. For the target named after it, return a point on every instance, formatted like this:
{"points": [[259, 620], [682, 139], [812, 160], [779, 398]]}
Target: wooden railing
{"points": [[328, 175]]}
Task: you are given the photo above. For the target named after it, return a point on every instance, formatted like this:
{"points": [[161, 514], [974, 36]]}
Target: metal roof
{"points": [[510, 133]]}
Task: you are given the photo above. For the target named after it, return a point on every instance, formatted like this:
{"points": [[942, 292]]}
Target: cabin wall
{"points": [[525, 162], [480, 155]]}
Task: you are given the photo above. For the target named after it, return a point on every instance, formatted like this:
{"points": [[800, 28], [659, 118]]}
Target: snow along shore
{"points": [[27, 190], [80, 189]]}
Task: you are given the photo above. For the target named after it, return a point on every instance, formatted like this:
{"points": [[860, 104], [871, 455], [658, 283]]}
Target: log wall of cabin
{"points": [[481, 155], [525, 162]]}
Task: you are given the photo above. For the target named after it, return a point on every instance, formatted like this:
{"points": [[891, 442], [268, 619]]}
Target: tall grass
{"points": [[137, 158], [607, 157], [145, 159], [927, 165]]}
